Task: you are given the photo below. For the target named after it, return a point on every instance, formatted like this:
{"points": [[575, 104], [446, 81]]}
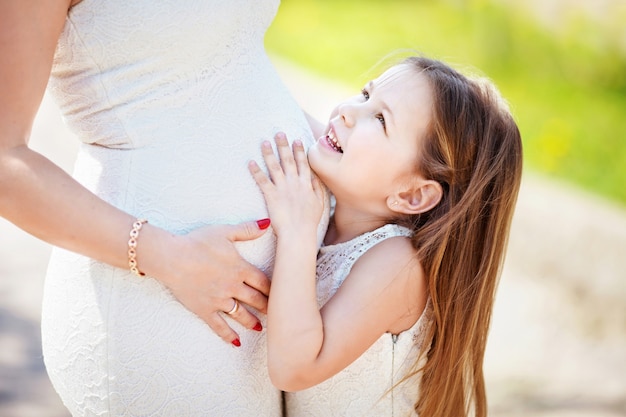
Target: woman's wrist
{"points": [[132, 246], [154, 252]]}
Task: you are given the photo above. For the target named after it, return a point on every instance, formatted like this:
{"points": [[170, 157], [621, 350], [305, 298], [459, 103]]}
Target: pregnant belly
{"points": [[182, 187]]}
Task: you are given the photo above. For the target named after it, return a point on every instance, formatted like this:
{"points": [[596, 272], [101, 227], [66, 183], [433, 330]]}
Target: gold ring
{"points": [[234, 309]]}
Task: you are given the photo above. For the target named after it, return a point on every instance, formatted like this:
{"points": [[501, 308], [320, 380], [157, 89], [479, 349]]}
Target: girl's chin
{"points": [[321, 155], [315, 156]]}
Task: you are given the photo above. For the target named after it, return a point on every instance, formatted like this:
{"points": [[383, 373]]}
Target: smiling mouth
{"points": [[332, 141]]}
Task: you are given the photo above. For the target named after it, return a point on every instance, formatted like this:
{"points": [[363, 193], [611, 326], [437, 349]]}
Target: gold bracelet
{"points": [[132, 247]]}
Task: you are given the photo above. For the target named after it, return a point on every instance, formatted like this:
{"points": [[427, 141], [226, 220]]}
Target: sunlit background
{"points": [[557, 347], [560, 63]]}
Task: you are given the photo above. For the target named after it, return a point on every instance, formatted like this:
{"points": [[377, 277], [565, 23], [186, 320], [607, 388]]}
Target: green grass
{"points": [[566, 86]]}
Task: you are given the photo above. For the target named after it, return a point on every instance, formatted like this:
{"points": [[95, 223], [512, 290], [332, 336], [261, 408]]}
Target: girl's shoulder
{"points": [[391, 250], [390, 271], [392, 256], [391, 241], [368, 239]]}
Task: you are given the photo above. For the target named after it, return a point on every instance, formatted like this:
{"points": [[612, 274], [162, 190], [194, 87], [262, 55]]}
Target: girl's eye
{"points": [[381, 119]]}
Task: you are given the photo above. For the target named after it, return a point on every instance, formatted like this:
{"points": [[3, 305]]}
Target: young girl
{"points": [[425, 167]]}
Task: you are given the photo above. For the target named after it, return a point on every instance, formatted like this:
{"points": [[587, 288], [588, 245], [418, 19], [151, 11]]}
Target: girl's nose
{"points": [[347, 112]]}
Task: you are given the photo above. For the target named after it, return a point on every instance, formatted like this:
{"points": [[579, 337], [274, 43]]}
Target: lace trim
{"points": [[335, 261]]}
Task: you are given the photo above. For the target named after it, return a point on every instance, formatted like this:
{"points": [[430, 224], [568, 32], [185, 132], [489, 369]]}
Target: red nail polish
{"points": [[258, 327], [263, 223], [236, 342]]}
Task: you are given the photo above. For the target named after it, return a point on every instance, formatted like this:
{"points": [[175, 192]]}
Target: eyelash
{"points": [[379, 116]]}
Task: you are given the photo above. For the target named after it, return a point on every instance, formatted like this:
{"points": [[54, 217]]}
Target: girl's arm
{"points": [[384, 291], [202, 269]]}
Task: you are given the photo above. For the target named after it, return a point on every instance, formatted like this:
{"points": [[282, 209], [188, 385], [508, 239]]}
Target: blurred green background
{"points": [[560, 64]]}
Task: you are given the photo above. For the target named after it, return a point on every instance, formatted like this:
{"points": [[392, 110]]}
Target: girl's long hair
{"points": [[473, 149]]}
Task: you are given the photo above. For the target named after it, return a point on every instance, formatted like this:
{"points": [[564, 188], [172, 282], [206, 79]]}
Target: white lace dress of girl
{"points": [[367, 386]]}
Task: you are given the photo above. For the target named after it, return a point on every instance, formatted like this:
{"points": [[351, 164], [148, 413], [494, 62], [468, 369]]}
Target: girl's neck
{"points": [[347, 223]]}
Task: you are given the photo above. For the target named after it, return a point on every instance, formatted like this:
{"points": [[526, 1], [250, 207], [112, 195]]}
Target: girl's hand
{"points": [[294, 196]]}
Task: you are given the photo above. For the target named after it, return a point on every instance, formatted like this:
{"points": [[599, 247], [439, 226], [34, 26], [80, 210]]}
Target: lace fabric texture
{"points": [[170, 100], [364, 388]]}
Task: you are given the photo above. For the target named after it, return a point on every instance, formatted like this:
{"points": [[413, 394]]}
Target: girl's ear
{"points": [[419, 198]]}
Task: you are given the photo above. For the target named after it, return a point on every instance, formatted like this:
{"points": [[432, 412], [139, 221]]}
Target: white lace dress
{"points": [[364, 388], [170, 100]]}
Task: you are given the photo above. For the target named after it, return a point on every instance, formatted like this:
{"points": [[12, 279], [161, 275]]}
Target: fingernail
{"points": [[258, 327], [236, 342], [263, 223]]}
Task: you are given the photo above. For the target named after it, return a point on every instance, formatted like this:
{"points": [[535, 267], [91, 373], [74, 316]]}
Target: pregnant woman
{"points": [[170, 99]]}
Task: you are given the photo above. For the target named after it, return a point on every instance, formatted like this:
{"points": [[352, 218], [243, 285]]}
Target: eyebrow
{"points": [[370, 86]]}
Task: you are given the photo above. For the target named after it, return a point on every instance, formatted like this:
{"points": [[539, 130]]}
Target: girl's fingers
{"points": [[286, 156], [293, 162], [262, 180], [302, 163], [271, 161], [318, 188]]}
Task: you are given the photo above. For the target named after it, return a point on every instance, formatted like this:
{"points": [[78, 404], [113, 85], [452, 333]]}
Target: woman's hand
{"points": [[294, 196], [208, 274]]}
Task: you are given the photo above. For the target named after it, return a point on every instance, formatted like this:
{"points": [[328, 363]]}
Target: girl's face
{"points": [[370, 148]]}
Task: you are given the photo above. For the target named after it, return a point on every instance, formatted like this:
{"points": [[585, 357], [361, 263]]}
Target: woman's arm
{"points": [[202, 269], [383, 292]]}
